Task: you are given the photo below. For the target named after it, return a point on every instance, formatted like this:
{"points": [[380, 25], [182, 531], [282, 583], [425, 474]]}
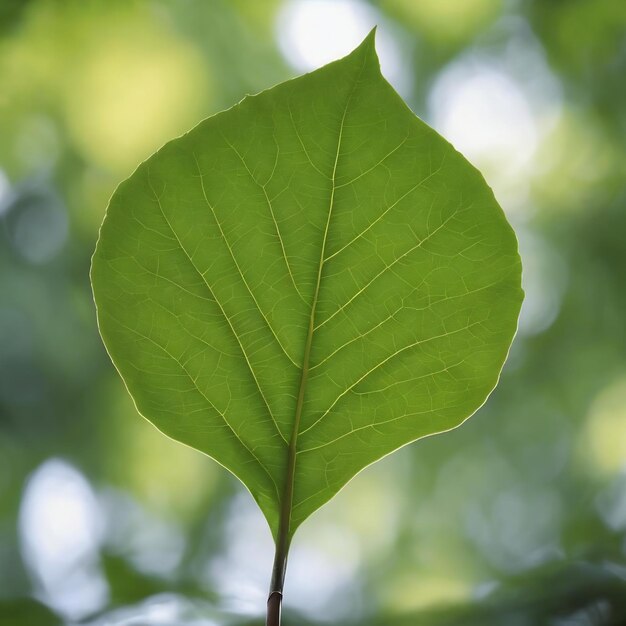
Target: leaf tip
{"points": [[368, 47], [369, 43]]}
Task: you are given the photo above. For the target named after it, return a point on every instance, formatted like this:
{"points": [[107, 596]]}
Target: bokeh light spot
{"points": [[136, 87], [604, 438], [485, 114], [60, 533], [37, 223]]}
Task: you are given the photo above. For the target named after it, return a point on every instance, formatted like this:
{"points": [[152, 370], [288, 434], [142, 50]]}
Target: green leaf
{"points": [[306, 282]]}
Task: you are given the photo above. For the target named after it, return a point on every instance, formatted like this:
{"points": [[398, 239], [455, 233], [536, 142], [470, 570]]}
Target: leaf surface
{"points": [[306, 282]]}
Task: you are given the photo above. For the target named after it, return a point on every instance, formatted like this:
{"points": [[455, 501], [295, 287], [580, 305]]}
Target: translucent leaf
{"points": [[306, 282]]}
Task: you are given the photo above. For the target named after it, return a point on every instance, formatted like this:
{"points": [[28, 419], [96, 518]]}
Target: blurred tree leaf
{"points": [[446, 23], [312, 275], [11, 12], [26, 612]]}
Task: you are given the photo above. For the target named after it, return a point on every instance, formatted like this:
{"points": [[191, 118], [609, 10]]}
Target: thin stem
{"points": [[283, 538], [273, 609], [275, 598]]}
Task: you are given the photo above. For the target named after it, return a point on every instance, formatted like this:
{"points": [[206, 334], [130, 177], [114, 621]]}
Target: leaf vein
{"points": [[271, 209], [385, 269], [383, 362], [247, 360], [195, 384]]}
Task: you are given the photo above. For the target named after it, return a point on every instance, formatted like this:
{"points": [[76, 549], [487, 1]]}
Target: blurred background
{"points": [[518, 518]]}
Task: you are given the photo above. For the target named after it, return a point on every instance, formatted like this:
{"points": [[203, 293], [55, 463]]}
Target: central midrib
{"points": [[287, 502], [286, 505]]}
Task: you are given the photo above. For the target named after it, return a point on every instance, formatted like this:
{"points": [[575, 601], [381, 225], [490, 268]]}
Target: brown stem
{"points": [[275, 599], [274, 603]]}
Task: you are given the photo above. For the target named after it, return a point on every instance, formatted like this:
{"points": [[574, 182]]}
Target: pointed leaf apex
{"points": [[369, 43], [367, 47]]}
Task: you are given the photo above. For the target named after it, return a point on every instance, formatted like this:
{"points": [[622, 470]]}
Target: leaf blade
{"points": [[313, 269]]}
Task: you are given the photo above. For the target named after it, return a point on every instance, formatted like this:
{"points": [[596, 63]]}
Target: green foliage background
{"points": [[518, 517]]}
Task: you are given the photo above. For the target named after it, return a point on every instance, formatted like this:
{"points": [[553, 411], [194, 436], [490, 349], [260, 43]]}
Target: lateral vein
{"points": [[245, 354]]}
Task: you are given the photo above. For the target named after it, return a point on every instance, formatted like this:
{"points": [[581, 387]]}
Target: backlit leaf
{"points": [[306, 282]]}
